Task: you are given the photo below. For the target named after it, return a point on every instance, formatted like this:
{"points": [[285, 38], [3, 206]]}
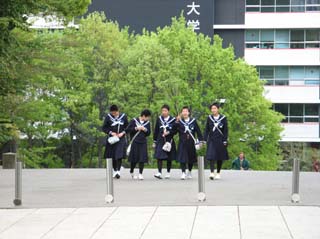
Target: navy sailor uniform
{"points": [[216, 135], [139, 146], [186, 148], [170, 126], [113, 124]]}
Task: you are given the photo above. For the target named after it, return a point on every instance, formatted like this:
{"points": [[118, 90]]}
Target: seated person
{"points": [[316, 165], [240, 163]]}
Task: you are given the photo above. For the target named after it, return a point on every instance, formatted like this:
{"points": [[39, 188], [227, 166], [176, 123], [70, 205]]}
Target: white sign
{"points": [[193, 12]]}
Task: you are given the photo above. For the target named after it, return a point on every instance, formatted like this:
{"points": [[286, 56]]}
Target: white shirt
{"points": [[167, 118]]}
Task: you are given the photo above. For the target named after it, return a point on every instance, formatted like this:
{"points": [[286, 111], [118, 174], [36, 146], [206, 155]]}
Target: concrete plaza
{"points": [[87, 188], [153, 222], [69, 203]]}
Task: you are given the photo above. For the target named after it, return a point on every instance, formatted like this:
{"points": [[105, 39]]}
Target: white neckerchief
{"points": [[187, 125], [187, 128], [116, 121], [138, 123], [216, 123], [166, 122]]}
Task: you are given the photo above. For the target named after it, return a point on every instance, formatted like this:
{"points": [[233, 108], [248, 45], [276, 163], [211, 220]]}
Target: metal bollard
{"points": [[201, 186], [18, 184], [109, 197], [295, 197]]}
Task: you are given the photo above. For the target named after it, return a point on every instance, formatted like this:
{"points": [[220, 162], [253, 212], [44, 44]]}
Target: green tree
{"points": [[74, 75], [179, 67], [106, 43], [14, 14], [216, 74], [18, 48]]}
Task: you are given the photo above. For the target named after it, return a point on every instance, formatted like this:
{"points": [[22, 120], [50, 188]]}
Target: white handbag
{"points": [[197, 143], [113, 139], [167, 146]]}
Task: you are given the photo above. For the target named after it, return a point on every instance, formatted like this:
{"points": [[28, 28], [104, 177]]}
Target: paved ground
{"points": [[178, 222], [67, 204], [87, 188]]}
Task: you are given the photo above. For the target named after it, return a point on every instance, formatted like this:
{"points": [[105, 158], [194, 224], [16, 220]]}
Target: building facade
{"points": [[279, 37]]}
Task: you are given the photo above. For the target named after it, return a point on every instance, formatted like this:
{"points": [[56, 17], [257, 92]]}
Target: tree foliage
{"points": [[14, 15], [74, 75]]}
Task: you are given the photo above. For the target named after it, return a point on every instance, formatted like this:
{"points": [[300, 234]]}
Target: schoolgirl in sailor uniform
{"points": [[188, 129], [114, 126], [139, 129], [216, 135], [164, 132]]}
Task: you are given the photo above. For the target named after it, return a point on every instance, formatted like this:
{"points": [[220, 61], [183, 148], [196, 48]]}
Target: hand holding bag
{"points": [[167, 147], [113, 139], [197, 143]]}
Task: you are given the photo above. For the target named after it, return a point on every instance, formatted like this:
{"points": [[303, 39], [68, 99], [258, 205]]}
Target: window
{"points": [[283, 38], [296, 109], [298, 113], [297, 38], [253, 2], [312, 72], [282, 5], [253, 6], [281, 75], [312, 38], [267, 5], [312, 5], [252, 38], [297, 73], [311, 113], [282, 72], [312, 75], [252, 35], [283, 2], [312, 110], [283, 109], [266, 72], [267, 2], [297, 5], [290, 75], [267, 39], [312, 35]]}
